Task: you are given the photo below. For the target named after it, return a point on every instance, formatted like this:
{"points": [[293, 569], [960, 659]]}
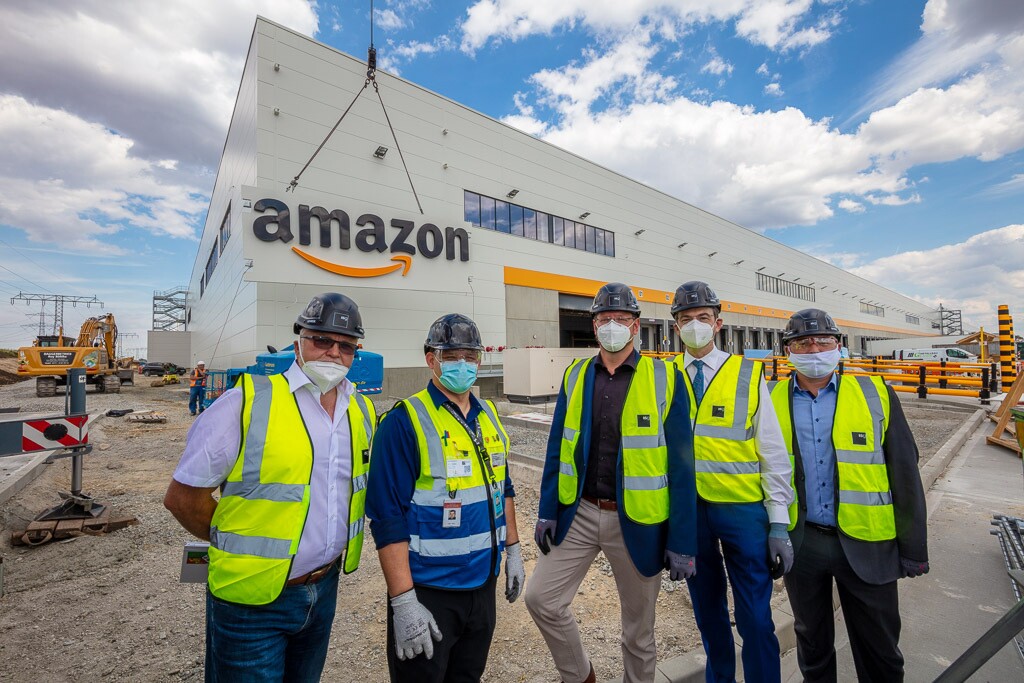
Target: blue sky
{"points": [[885, 137]]}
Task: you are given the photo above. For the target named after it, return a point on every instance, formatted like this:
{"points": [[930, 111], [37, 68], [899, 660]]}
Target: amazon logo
{"points": [[404, 241]]}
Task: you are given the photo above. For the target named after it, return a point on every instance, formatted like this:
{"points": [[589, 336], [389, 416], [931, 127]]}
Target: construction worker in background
{"points": [[743, 490], [442, 510], [860, 516], [618, 478], [197, 388], [290, 454]]}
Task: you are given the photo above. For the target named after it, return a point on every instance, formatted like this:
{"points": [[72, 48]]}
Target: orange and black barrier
{"points": [[1007, 366]]}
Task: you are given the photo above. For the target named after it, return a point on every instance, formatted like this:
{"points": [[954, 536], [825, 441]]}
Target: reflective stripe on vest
{"points": [[644, 459], [258, 523], [865, 510], [455, 557], [725, 453]]}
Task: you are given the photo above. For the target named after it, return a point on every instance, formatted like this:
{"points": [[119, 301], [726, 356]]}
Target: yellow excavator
{"points": [[50, 357]]}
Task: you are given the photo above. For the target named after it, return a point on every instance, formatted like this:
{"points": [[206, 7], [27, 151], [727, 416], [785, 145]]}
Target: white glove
{"points": [[414, 626], [515, 573]]}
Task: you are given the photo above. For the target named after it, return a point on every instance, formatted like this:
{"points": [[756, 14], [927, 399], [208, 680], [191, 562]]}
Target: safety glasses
{"points": [[804, 343], [325, 344]]}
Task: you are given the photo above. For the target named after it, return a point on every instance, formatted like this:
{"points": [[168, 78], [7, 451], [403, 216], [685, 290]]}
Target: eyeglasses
{"points": [[622, 320], [326, 343], [468, 355], [805, 343]]}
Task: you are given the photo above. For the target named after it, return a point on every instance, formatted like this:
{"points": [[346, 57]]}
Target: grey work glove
{"points": [[515, 572], [414, 626], [911, 568], [679, 566], [780, 550], [544, 533]]}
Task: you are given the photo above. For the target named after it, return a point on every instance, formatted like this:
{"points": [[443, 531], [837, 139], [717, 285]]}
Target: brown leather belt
{"points": [[603, 503], [316, 574]]}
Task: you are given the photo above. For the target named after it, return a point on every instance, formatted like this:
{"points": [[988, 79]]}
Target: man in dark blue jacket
{"points": [[619, 478]]}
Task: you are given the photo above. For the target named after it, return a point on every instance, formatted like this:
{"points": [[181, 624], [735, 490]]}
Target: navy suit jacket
{"points": [[646, 542]]}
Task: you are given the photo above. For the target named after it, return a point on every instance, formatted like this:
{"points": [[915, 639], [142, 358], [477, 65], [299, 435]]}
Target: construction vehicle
{"points": [[51, 356]]}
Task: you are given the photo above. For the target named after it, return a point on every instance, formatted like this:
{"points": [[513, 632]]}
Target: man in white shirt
{"points": [[743, 492], [290, 454]]}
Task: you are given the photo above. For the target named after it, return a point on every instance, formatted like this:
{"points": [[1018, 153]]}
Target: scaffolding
{"points": [[169, 308]]}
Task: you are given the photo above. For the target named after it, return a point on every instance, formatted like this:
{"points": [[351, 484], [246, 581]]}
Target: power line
{"points": [[34, 284], [26, 257]]}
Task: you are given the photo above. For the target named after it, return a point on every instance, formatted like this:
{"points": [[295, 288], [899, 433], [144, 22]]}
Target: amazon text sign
{"points": [[372, 234]]}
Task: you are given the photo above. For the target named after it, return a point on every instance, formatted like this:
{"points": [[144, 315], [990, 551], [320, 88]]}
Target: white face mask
{"points": [[815, 365], [696, 334], [613, 336], [324, 374]]}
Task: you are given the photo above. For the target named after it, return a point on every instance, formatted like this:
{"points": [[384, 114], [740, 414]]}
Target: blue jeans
{"points": [[742, 530], [195, 399], [283, 641]]}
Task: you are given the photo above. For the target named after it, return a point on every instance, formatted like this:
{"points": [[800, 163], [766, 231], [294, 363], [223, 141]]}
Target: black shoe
{"points": [[192, 414]]}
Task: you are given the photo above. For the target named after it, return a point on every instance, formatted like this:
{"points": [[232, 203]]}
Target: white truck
{"points": [[950, 355]]}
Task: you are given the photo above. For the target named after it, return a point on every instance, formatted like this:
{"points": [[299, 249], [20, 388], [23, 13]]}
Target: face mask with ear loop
{"points": [[696, 334], [457, 376], [324, 374], [613, 336]]}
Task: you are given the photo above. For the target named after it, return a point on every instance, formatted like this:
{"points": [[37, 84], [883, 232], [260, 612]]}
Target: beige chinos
{"points": [[557, 577]]}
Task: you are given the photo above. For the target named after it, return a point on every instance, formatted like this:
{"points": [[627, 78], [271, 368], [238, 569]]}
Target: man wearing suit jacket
{"points": [[619, 478], [860, 516]]}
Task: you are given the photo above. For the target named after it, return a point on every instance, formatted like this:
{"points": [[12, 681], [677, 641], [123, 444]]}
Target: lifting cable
{"points": [[371, 77]]}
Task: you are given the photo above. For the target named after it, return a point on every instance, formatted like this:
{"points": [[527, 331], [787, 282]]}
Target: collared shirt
{"points": [[395, 467], [606, 426], [776, 469], [812, 419], [213, 442]]}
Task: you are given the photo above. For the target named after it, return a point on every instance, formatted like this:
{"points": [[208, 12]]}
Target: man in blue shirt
{"points": [[442, 509], [860, 517]]}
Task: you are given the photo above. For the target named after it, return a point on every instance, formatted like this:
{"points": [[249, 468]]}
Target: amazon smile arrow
{"points": [[403, 263]]}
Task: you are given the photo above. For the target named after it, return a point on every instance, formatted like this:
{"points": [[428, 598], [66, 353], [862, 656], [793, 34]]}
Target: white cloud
{"points": [[762, 70], [388, 20], [406, 52], [774, 89], [975, 275], [716, 65], [776, 24], [1012, 186], [851, 206]]}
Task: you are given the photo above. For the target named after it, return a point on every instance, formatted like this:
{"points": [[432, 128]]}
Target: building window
{"points": [[501, 216], [872, 309], [225, 228], [913, 319], [775, 285], [202, 286], [211, 263]]}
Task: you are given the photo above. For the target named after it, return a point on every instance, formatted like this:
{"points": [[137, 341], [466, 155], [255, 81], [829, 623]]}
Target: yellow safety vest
{"points": [[258, 523], [724, 449], [861, 419], [456, 556], [644, 451]]}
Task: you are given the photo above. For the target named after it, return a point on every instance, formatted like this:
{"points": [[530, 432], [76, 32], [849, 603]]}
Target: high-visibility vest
{"points": [[644, 451], [461, 552], [861, 419], [197, 379], [258, 523], [724, 450]]}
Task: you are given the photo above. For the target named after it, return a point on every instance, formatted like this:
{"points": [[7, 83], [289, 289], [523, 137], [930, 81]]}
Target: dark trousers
{"points": [[195, 399], [871, 613], [739, 532], [466, 620]]}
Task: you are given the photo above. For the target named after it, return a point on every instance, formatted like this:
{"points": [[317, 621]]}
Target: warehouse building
{"points": [[490, 222]]}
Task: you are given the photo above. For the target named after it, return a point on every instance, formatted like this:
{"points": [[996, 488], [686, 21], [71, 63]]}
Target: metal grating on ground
{"points": [[1010, 532]]}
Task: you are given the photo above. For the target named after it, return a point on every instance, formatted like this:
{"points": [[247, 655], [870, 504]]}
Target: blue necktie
{"points": [[698, 379]]}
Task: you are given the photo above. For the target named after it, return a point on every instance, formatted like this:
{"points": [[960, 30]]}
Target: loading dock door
{"points": [[575, 329]]}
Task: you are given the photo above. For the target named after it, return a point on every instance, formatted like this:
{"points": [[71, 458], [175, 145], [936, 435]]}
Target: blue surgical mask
{"points": [[457, 375]]}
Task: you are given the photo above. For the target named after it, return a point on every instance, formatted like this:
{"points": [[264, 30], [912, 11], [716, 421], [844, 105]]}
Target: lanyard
{"points": [[478, 445]]}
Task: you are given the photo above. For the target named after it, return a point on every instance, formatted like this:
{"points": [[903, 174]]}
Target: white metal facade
{"points": [[294, 89]]}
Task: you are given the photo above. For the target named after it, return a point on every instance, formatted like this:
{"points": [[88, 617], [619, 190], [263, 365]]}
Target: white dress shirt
{"points": [[211, 449], [776, 469]]}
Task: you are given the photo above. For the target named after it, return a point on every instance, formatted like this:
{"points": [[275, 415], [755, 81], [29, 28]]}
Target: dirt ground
{"points": [[111, 607]]}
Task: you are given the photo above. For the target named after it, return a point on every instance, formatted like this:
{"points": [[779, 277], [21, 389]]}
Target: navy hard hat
{"points": [[453, 331], [810, 322], [695, 294], [331, 312], [615, 296]]}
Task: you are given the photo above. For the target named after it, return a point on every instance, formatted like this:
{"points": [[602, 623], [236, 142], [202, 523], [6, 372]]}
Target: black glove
{"points": [[544, 533], [679, 566], [911, 568]]}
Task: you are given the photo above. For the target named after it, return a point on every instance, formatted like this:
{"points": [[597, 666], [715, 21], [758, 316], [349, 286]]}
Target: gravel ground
{"points": [[111, 606]]}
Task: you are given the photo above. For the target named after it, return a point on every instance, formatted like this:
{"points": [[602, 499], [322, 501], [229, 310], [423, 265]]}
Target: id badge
{"points": [[460, 468], [499, 503], [451, 514], [497, 460]]}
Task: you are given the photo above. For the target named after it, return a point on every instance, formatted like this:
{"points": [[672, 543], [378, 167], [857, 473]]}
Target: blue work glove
{"points": [[679, 566], [414, 626], [515, 572], [544, 533], [911, 568], [780, 550]]}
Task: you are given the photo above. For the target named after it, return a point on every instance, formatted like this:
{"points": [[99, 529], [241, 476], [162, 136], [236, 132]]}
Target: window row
{"points": [[501, 216], [872, 309], [774, 285], [913, 319]]}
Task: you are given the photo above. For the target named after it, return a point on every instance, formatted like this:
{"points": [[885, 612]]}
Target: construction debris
{"points": [[42, 532], [150, 417]]}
